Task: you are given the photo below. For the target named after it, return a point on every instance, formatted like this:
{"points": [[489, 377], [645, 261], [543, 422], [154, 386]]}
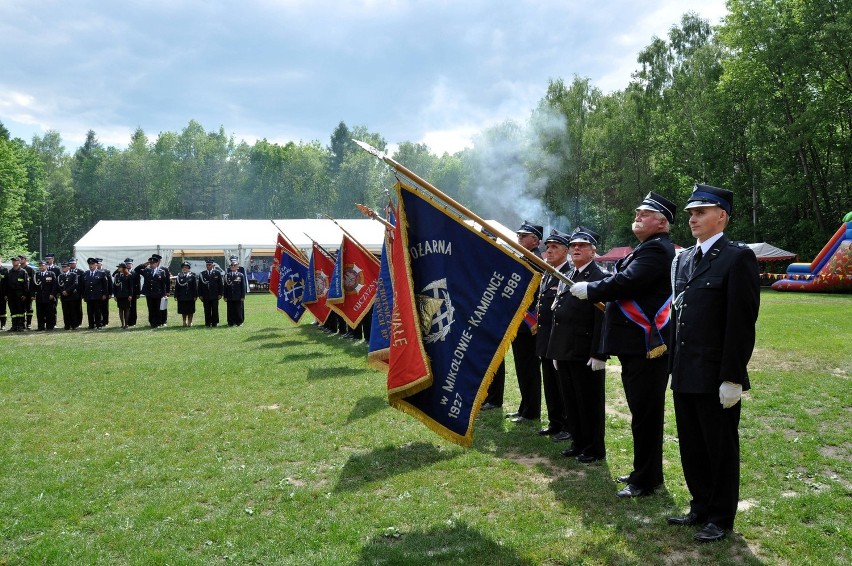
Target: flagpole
{"points": [[370, 213], [292, 245], [322, 249], [351, 237], [435, 192]]}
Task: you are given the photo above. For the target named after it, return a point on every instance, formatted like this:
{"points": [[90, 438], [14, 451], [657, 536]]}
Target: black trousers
{"points": [[70, 313], [105, 312], [584, 396], [556, 418], [211, 312], [497, 386], [17, 312], [94, 312], [644, 382], [709, 441], [46, 315], [155, 315], [528, 370], [236, 312], [131, 312], [2, 310]]}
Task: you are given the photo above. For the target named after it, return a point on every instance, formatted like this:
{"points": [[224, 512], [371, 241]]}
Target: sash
{"points": [[654, 343]]}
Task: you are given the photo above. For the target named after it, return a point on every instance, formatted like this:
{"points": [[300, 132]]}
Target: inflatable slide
{"points": [[830, 272]]}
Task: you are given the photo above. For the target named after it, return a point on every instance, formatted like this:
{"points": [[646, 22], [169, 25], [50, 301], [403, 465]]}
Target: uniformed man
{"points": [[47, 290], [556, 255], [575, 340], [638, 295], [17, 295], [72, 266], [25, 265], [210, 290], [156, 286], [69, 297], [95, 291], [4, 272], [105, 304], [235, 294], [716, 286], [51, 264]]}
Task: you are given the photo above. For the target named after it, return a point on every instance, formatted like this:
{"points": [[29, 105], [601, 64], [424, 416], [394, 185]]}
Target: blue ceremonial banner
{"points": [[335, 285], [378, 351], [291, 285], [310, 293], [471, 296]]}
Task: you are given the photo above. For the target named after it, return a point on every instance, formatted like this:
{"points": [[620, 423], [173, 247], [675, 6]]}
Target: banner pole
{"points": [[357, 243], [322, 249], [292, 245]]}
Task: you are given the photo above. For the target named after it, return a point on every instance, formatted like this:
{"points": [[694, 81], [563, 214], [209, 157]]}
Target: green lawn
{"points": [[274, 444]]}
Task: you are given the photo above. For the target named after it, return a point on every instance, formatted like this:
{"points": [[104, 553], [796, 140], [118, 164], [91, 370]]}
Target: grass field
{"points": [[274, 444]]}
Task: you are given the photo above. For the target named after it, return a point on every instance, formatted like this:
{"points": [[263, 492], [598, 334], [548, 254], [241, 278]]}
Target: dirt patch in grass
{"points": [[536, 462]]}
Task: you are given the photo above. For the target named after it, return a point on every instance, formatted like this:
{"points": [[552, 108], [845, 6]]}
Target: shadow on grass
{"points": [[382, 463], [638, 526], [365, 407], [456, 543], [329, 372]]}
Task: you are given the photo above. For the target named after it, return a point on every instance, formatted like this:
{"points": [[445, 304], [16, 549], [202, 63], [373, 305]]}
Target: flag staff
{"points": [[292, 245], [322, 249], [435, 192], [351, 237], [370, 213]]}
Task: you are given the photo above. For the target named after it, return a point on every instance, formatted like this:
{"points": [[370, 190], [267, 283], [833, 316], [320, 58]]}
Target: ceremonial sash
{"points": [[654, 343]]}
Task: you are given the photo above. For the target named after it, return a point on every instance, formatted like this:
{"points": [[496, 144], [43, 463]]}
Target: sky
{"points": [[433, 71]]}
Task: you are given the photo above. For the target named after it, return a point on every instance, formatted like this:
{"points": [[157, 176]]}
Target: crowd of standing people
{"points": [[27, 292]]}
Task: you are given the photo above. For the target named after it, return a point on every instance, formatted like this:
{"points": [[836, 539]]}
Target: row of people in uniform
{"points": [[71, 287], [704, 349]]}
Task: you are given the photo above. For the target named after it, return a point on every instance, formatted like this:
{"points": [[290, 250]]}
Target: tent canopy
{"points": [[768, 252], [114, 240], [615, 254]]}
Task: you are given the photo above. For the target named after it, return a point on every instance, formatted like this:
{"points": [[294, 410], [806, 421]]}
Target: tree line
{"points": [[761, 105]]}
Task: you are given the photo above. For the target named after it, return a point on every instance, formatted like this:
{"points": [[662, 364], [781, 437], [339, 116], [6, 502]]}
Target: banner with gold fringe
{"points": [[320, 268], [468, 295], [354, 282], [378, 349]]}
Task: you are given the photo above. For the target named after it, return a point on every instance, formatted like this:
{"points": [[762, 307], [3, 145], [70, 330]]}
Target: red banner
{"points": [[280, 245], [359, 274], [322, 266]]}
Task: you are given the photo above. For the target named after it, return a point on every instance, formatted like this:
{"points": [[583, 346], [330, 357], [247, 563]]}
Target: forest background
{"points": [[761, 105]]}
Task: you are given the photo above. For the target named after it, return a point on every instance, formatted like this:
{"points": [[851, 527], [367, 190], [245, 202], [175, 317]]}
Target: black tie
{"points": [[696, 258]]}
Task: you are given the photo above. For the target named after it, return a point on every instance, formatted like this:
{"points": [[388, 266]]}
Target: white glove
{"points": [[596, 364], [579, 290], [729, 394], [555, 365]]}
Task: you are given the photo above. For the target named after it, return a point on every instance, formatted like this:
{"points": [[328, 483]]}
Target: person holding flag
{"points": [[637, 312]]}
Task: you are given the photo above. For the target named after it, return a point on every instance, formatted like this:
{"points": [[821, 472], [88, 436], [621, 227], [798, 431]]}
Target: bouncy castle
{"points": [[830, 272]]}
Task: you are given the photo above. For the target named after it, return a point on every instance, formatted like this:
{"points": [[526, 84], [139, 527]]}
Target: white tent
{"points": [[115, 240], [768, 252]]}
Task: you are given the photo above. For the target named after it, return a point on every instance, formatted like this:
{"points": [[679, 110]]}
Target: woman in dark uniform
{"points": [[186, 292], [122, 289]]}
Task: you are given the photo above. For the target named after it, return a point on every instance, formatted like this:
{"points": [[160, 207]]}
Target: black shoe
{"points": [[512, 415], [561, 437], [710, 533], [623, 479], [520, 419], [588, 458], [489, 406], [632, 490], [689, 519], [570, 452], [548, 431]]}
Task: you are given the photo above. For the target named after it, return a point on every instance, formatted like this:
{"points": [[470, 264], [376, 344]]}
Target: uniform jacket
{"points": [[234, 285], [47, 287], [210, 285], [95, 284], [643, 276], [4, 272], [712, 332], [157, 283], [576, 331], [70, 283], [547, 292], [186, 286], [17, 284], [123, 285]]}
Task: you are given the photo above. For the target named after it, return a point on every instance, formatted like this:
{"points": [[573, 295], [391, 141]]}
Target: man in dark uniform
{"points": [[31, 291], [4, 272], [17, 295], [235, 294], [210, 290], [105, 304], [556, 255], [527, 362], [47, 290], [638, 297], [136, 292], [69, 296], [72, 266], [51, 264], [156, 286], [717, 298], [95, 290], [575, 340]]}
